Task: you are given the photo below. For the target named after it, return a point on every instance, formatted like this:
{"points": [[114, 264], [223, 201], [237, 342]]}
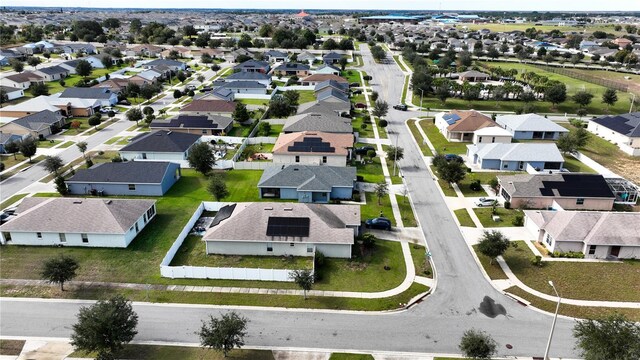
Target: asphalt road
{"points": [[462, 300]]}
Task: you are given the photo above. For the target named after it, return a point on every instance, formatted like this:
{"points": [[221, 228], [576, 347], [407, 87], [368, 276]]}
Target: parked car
{"points": [[205, 89], [454, 157], [380, 223], [401, 107], [124, 102], [486, 202], [363, 150], [360, 106], [4, 217], [190, 87], [356, 92], [106, 109], [354, 84]]}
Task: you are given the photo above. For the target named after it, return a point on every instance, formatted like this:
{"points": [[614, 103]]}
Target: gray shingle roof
{"points": [[86, 93], [242, 75], [307, 178], [130, 172], [71, 215], [292, 67], [331, 84], [193, 122], [53, 70], [162, 141], [252, 64], [38, 121], [324, 107], [330, 123], [332, 94], [518, 152], [164, 62], [243, 84]]}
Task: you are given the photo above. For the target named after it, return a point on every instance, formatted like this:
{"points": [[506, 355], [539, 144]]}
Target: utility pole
{"points": [[421, 97], [553, 324], [395, 156]]}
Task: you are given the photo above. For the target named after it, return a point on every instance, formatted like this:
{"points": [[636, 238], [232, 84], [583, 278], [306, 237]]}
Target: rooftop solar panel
{"points": [[288, 226]]}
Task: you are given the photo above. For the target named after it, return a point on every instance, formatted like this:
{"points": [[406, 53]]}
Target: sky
{"points": [[486, 5]]}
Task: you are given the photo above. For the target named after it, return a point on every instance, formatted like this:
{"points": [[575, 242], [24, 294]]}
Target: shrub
{"points": [[89, 163], [536, 260], [475, 185], [319, 259], [116, 159], [518, 220], [507, 204], [570, 254]]}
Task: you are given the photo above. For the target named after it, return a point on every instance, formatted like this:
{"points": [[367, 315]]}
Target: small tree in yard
{"points": [[224, 333], [302, 278], [94, 121], [28, 148], [452, 172], [582, 98], [12, 147], [84, 68], [148, 110], [567, 143], [477, 345], [371, 154], [614, 337], [381, 190], [105, 327], [264, 128], [61, 186], [380, 109], [82, 146], [241, 114], [493, 244], [52, 164], [134, 114], [75, 125], [217, 187], [201, 158], [177, 94], [609, 97], [395, 153], [59, 270]]}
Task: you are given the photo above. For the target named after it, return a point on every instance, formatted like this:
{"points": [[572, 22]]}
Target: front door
{"points": [[521, 165], [615, 251]]}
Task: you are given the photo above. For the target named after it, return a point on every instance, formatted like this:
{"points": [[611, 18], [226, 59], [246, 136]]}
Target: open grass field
{"points": [[632, 80], [439, 142], [577, 280]]}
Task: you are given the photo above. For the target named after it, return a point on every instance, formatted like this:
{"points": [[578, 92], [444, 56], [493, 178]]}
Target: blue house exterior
{"points": [[141, 178], [307, 184], [7, 138], [531, 127]]}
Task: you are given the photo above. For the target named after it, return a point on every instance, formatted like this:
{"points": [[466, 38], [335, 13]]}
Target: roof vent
{"points": [[77, 201], [268, 208], [107, 202], [288, 209], [169, 132]]}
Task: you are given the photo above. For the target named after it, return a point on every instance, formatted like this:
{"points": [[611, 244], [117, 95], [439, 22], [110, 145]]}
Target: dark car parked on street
{"points": [[401, 107], [379, 223]]}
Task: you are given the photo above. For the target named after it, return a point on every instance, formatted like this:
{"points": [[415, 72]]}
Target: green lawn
{"points": [[62, 170], [405, 89], [484, 177], [371, 171], [66, 144], [352, 76], [113, 140], [439, 142], [574, 165], [419, 139], [506, 216], [447, 188], [420, 261], [464, 218], [255, 149], [157, 352], [406, 211], [577, 280], [347, 356], [239, 130], [9, 173], [11, 160], [396, 58], [367, 132], [372, 209], [242, 185], [493, 270], [259, 102], [358, 98], [275, 130], [12, 200], [306, 96]]}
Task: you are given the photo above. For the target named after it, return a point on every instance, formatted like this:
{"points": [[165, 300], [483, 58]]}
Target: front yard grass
{"points": [[157, 352], [9, 173], [493, 269], [420, 261], [371, 170], [439, 142], [506, 216], [464, 218], [484, 177], [66, 144], [9, 160], [447, 188], [45, 144], [406, 211], [347, 356], [373, 210], [605, 281], [12, 200], [352, 76], [367, 132], [419, 139]]}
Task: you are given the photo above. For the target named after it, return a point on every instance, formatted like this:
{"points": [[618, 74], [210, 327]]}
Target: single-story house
{"points": [[53, 73], [280, 229], [327, 69], [110, 223], [332, 58], [331, 84], [317, 184], [195, 124], [38, 125], [313, 148], [209, 107], [245, 87], [531, 127], [307, 57], [566, 190], [274, 56], [22, 80], [596, 234], [324, 122], [144, 178], [458, 125], [6, 138], [292, 69], [115, 85], [235, 54], [78, 48], [622, 130], [160, 145], [492, 134], [530, 157], [253, 66], [35, 105], [172, 65], [147, 77], [12, 93], [104, 96], [473, 76], [258, 77], [332, 95], [315, 79], [325, 107], [218, 93], [144, 50]]}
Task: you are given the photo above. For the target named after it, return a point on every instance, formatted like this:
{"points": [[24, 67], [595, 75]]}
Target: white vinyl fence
{"points": [[251, 165]]}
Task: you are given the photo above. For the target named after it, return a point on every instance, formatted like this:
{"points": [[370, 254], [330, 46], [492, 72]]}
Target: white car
{"points": [[486, 202]]}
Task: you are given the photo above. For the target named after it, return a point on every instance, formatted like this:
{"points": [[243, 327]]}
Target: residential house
{"points": [[148, 50], [313, 148], [70, 65], [112, 223], [182, 51], [160, 145], [39, 125], [327, 69], [102, 58], [569, 191], [622, 42], [317, 184], [530, 157], [35, 105], [328, 123], [22, 80], [209, 107], [78, 48], [104, 96], [218, 93], [284, 229], [6, 138], [253, 66], [460, 125], [332, 58], [531, 127], [274, 56], [195, 124], [235, 54], [53, 73], [331, 84], [147, 77], [245, 87], [142, 178], [315, 79], [492, 134], [114, 85], [306, 57], [332, 95], [596, 234], [163, 64], [292, 69], [11, 92], [622, 130], [325, 107], [258, 77]]}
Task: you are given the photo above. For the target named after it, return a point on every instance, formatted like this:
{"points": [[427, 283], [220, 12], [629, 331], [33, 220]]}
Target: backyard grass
{"points": [[371, 170], [420, 261], [406, 211], [255, 149], [373, 210], [493, 270], [574, 165], [447, 188], [275, 130], [506, 216], [422, 144], [12, 200], [306, 96], [606, 281], [464, 218], [347, 356], [245, 185], [281, 301], [157, 352], [439, 142], [239, 130], [259, 102]]}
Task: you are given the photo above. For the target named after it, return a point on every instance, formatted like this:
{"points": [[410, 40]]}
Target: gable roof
{"points": [[42, 102], [72, 215], [333, 55], [556, 185], [243, 75], [313, 142], [22, 77], [324, 107], [326, 223], [625, 124], [38, 121], [53, 70], [470, 120], [243, 84], [86, 93], [162, 141], [292, 67], [332, 94], [204, 105], [330, 123], [331, 84], [164, 62], [308, 178], [193, 122], [529, 122], [252, 64], [518, 151], [130, 172], [275, 53], [324, 77]]}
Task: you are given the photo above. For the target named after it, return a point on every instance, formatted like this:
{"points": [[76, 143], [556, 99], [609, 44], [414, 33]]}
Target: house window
{"points": [[137, 229], [548, 239], [204, 132], [505, 166], [291, 244], [39, 235], [144, 218], [580, 201], [269, 247], [324, 159], [592, 249], [309, 249], [85, 238], [144, 155], [63, 238], [151, 212], [297, 158], [479, 138], [132, 187], [493, 139]]}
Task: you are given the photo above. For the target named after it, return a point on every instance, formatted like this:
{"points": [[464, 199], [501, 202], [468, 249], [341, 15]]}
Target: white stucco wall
{"points": [[332, 160], [279, 248]]}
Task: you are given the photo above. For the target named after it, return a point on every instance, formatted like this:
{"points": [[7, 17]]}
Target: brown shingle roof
{"points": [[210, 106], [24, 77], [470, 121], [341, 142]]}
